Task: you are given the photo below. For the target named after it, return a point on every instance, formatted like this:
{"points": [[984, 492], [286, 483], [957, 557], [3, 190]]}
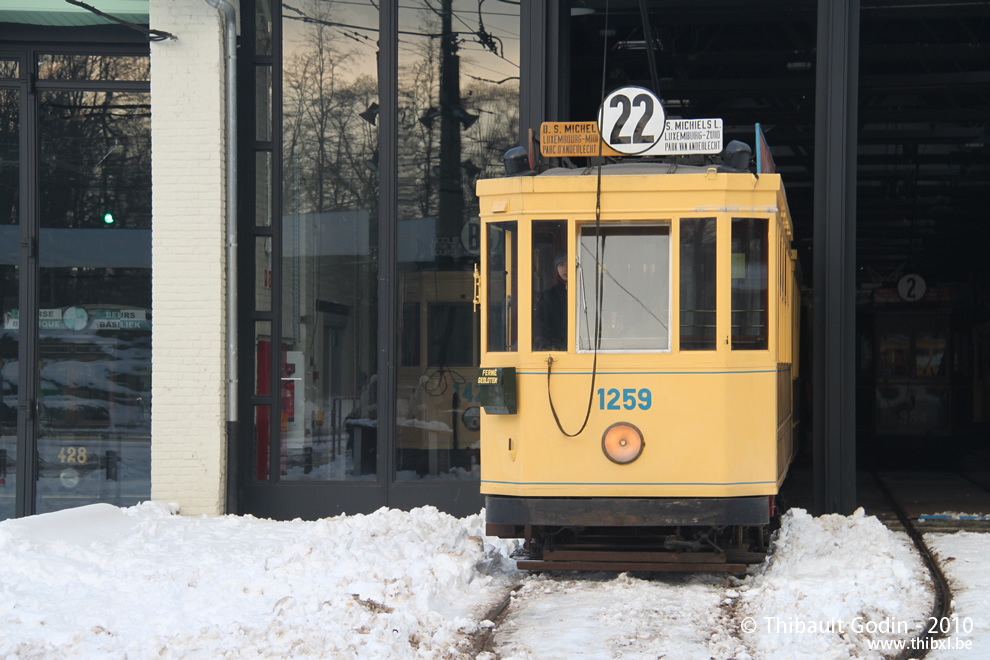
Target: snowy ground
{"points": [[106, 582], [965, 560]]}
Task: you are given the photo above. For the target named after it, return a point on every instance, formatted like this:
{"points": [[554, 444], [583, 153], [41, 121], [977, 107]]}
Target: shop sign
{"points": [[80, 318]]}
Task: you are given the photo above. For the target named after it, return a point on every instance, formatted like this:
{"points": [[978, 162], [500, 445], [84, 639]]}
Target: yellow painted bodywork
{"points": [[720, 422]]}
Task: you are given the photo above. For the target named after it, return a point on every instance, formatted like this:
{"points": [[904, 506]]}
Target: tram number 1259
{"points": [[631, 398]]}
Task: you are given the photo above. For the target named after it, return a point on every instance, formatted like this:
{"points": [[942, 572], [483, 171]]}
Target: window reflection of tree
{"points": [[95, 155], [328, 149], [9, 158], [331, 153], [95, 159], [484, 141], [94, 67]]}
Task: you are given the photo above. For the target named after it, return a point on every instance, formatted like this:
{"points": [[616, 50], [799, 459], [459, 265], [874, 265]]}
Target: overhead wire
{"points": [[599, 265]]}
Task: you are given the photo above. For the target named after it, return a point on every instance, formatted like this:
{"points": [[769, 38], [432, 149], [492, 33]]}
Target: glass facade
{"points": [[321, 216], [76, 347], [10, 174], [94, 399], [458, 105], [323, 187], [327, 348]]}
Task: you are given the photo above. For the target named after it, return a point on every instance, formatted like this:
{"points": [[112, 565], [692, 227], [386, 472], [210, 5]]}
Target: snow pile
{"points": [[832, 584], [602, 615], [963, 558], [101, 581]]}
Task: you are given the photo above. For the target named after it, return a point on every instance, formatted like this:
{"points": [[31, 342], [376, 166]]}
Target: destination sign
{"points": [[632, 121], [688, 136], [572, 138], [680, 137]]}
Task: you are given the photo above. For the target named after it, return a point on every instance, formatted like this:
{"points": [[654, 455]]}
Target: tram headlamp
{"points": [[622, 443]]}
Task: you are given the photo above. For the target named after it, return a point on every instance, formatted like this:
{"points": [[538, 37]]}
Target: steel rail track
{"points": [[943, 594], [496, 615]]}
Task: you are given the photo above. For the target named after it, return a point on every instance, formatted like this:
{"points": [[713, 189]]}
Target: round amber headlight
{"points": [[622, 443]]}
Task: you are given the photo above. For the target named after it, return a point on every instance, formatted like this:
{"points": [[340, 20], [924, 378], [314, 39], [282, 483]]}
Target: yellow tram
{"points": [[674, 429]]}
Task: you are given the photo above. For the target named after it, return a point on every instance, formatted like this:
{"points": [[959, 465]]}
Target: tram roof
{"points": [[518, 184], [627, 169]]}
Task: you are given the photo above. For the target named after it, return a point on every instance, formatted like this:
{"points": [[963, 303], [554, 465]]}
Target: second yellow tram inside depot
{"points": [[652, 395]]}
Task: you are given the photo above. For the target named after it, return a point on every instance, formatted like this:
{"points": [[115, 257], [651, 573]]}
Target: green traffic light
{"points": [[108, 218]]}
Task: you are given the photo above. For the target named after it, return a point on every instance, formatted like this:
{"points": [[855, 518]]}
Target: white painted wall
{"points": [[188, 429]]}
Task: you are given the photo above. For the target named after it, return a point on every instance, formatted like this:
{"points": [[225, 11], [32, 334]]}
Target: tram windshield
{"points": [[634, 298]]}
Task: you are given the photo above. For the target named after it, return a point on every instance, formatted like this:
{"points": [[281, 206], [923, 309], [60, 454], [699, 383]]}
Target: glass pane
{"points": [[892, 353], [263, 27], [263, 103], [503, 282], [458, 114], [749, 284], [263, 273], [698, 284], [94, 67], [549, 285], [929, 353], [262, 441], [635, 289], [263, 189], [10, 69], [410, 334], [262, 358], [95, 295], [9, 294], [329, 260], [451, 334]]}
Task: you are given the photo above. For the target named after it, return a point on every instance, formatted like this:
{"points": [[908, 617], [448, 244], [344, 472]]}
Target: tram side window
{"points": [[503, 282], [749, 284], [550, 285], [698, 284], [634, 294]]}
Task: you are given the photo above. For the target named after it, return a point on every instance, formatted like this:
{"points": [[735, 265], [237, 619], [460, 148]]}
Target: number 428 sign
{"points": [[632, 121]]}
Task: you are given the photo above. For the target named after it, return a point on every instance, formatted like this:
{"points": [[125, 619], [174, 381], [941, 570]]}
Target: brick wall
{"points": [[188, 427]]}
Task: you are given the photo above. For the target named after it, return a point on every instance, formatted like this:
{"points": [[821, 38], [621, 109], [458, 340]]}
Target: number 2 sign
{"points": [[911, 288], [631, 120]]}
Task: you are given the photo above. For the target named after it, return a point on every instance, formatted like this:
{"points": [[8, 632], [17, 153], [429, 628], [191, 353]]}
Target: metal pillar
{"points": [[533, 65], [388, 239], [834, 412]]}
